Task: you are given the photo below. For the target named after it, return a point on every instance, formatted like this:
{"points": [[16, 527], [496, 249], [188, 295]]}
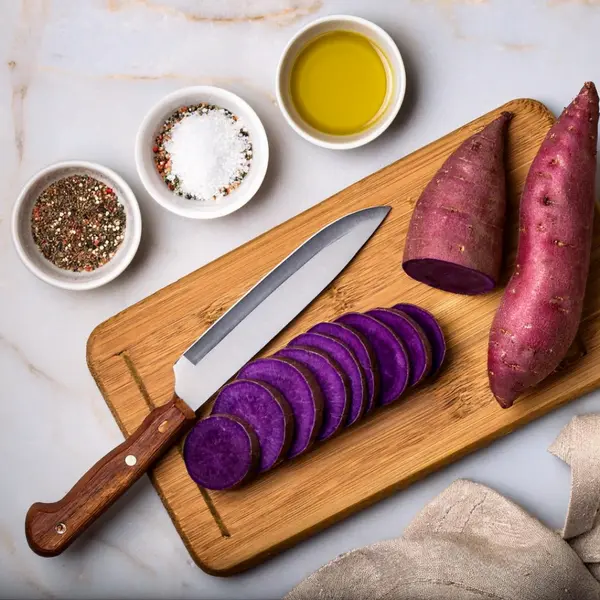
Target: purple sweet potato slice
{"points": [[333, 383], [221, 452], [432, 330], [391, 355], [299, 387], [362, 350], [414, 339], [265, 410], [345, 359]]}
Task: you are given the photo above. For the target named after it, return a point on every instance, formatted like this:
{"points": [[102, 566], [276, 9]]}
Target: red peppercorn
{"points": [[155, 149]]}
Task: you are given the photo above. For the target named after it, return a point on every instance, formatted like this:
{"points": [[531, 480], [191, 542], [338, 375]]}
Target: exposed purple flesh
{"points": [[362, 350], [221, 452], [265, 410], [414, 339], [390, 352], [298, 386], [333, 384], [432, 330], [346, 360], [448, 276]]}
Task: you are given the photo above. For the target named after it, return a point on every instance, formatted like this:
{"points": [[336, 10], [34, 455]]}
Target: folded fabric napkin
{"points": [[471, 543]]}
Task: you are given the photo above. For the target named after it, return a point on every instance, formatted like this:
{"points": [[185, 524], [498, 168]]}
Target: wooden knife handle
{"points": [[51, 528]]}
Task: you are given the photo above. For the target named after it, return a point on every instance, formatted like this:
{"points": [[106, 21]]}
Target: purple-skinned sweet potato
{"points": [[454, 241], [541, 308], [221, 452], [265, 410], [298, 386], [344, 357], [363, 351], [333, 383]]}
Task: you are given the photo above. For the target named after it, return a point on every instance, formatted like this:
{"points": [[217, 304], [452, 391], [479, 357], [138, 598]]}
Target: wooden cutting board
{"points": [[131, 357]]}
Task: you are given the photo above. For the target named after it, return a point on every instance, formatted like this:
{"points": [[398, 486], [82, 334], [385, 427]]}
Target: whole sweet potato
{"points": [[541, 308], [454, 241]]}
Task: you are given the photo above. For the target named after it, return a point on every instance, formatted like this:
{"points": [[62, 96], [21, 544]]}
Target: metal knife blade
{"points": [[270, 305]]}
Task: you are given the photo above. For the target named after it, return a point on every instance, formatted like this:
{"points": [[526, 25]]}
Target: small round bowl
{"points": [[381, 40], [43, 268], [156, 187]]}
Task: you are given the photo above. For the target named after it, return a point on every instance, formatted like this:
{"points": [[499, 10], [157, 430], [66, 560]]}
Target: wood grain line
{"points": [[215, 513], [139, 382]]}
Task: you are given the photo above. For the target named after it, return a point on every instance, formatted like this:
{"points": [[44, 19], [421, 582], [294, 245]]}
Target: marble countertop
{"points": [[76, 78]]}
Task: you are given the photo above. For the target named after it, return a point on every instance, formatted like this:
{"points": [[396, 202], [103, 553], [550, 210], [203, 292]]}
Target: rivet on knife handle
{"points": [[51, 528]]}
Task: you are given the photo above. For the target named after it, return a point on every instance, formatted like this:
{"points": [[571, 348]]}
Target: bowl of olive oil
{"points": [[340, 82]]}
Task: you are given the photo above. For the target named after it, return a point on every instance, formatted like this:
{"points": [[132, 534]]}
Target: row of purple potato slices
{"points": [[323, 381]]}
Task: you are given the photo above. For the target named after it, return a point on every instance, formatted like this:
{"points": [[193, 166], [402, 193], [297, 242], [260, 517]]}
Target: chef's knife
{"points": [[202, 369]]}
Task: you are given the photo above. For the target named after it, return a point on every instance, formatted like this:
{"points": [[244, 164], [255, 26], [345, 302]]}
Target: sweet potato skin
{"points": [[540, 311], [454, 241]]}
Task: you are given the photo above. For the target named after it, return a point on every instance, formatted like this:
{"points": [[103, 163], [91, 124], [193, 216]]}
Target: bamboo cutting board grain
{"points": [[131, 357]]}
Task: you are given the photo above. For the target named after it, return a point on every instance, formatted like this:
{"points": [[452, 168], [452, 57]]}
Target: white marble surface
{"points": [[76, 77]]}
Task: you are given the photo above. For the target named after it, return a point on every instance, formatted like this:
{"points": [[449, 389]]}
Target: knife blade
{"points": [[203, 368]]}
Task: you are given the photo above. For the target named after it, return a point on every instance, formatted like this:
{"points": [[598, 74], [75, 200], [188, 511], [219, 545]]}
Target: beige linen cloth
{"points": [[471, 543]]}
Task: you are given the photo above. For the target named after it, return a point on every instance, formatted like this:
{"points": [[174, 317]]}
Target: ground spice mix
{"points": [[78, 223]]}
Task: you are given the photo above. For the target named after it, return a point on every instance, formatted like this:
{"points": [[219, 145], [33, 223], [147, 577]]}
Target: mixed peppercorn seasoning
{"points": [[78, 223]]}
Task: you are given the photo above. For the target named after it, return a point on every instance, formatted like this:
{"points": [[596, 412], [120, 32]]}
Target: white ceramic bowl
{"points": [[156, 186], [397, 75], [43, 268]]}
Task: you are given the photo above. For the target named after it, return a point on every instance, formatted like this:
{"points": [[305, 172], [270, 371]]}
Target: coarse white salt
{"points": [[210, 154]]}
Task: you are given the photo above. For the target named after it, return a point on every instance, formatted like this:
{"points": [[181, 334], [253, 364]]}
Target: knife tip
{"points": [[382, 210]]}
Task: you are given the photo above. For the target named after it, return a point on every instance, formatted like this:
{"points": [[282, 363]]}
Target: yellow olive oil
{"points": [[340, 82]]}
